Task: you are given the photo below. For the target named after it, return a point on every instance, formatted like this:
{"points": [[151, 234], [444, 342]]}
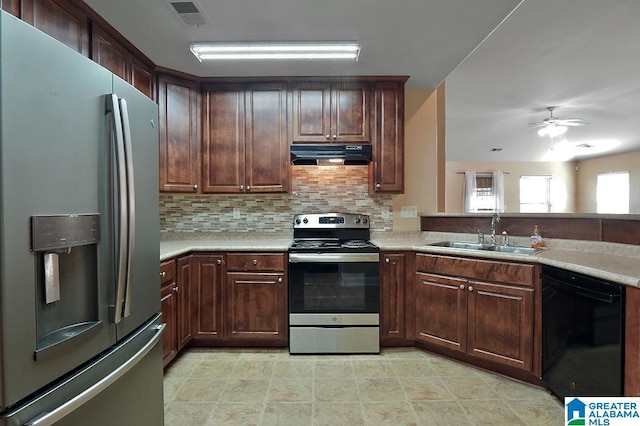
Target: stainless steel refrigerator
{"points": [[79, 253]]}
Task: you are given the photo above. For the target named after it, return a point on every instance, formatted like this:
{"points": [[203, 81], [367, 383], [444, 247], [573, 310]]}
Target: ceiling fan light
{"points": [[555, 130], [552, 130]]}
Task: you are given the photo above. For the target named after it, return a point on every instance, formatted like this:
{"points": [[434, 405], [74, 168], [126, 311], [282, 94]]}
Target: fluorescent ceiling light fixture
{"points": [[275, 50], [552, 130]]}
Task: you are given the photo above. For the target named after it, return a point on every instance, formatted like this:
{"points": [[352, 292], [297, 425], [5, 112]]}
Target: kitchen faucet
{"points": [[494, 219]]}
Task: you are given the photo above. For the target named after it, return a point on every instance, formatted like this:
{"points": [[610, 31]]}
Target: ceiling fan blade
{"points": [[571, 122]]}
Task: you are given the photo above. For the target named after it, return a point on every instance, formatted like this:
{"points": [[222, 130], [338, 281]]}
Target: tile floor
{"points": [[397, 387]]}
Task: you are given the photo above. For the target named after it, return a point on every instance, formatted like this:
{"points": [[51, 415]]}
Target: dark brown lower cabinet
{"points": [[479, 312], [169, 309], [255, 306], [169, 306], [500, 323], [209, 276], [441, 311], [185, 292], [237, 299], [396, 299]]}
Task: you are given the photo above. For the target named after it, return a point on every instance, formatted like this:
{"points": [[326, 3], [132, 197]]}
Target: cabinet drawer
{"points": [[167, 272], [477, 269], [255, 262]]}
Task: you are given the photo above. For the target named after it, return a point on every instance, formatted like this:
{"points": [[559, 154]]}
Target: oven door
{"points": [[334, 283]]}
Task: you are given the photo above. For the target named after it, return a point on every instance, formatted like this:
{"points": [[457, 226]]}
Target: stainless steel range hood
{"points": [[330, 154]]}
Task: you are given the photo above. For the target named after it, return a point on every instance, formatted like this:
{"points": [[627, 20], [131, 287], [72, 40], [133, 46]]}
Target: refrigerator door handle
{"points": [[61, 411], [131, 203], [121, 268]]}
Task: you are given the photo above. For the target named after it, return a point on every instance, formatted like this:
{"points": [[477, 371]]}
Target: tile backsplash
{"points": [[314, 189]]}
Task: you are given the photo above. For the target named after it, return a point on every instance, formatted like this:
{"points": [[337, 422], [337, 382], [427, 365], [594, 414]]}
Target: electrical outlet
{"points": [[385, 213], [236, 213], [408, 211]]}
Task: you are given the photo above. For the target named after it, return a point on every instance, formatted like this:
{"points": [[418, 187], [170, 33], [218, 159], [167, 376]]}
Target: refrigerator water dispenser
{"points": [[67, 278]]}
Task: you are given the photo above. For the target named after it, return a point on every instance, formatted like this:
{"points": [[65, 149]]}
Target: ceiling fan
{"points": [[553, 126]]}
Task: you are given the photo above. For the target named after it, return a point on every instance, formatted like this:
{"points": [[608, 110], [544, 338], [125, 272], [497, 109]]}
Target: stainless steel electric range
{"points": [[334, 285]]}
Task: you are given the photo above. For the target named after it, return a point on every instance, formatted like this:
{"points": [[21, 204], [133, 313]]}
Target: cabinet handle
{"points": [[461, 286], [328, 137], [335, 136], [387, 260], [280, 279], [255, 262], [162, 274], [219, 262], [241, 186], [378, 186], [248, 187], [195, 188], [470, 288], [175, 289]]}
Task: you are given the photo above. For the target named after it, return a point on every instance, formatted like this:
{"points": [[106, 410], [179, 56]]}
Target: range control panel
{"points": [[331, 220]]}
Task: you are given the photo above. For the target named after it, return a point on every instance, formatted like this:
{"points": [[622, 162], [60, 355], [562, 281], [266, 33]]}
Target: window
{"points": [[535, 194], [483, 198], [483, 192], [612, 192]]}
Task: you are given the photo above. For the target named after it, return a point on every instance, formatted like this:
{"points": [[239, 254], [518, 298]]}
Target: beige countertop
{"points": [[619, 263], [178, 244]]}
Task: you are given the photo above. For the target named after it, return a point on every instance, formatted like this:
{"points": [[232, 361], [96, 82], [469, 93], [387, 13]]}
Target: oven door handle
{"points": [[334, 257]]}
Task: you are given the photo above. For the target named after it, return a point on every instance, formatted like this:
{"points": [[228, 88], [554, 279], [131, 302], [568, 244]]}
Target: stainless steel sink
{"points": [[514, 249], [485, 247], [461, 245]]}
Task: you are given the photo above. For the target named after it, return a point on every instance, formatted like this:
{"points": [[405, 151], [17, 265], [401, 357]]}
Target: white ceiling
{"points": [[580, 55], [425, 39]]}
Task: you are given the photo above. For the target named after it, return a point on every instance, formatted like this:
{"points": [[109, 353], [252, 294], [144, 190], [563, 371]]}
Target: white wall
{"points": [[587, 174], [563, 181]]}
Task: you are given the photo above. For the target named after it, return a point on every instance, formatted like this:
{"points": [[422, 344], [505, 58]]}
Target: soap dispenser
{"points": [[536, 238]]}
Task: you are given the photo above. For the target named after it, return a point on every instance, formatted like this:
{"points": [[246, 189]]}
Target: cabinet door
{"points": [[60, 19], [500, 325], [311, 113], [350, 113], [267, 147], [142, 77], [256, 306], [392, 297], [179, 116], [185, 307], [109, 53], [441, 311], [224, 140], [209, 278], [11, 6], [388, 148], [169, 307]]}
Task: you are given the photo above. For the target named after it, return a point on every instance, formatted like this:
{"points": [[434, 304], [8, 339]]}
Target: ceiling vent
{"points": [[189, 13]]}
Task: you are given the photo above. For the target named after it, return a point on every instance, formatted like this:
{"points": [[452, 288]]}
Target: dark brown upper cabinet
{"points": [[179, 117], [112, 55], [387, 167], [11, 6], [245, 147], [60, 19], [330, 112]]}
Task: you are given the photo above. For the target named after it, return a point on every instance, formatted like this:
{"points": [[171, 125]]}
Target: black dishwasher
{"points": [[582, 334]]}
